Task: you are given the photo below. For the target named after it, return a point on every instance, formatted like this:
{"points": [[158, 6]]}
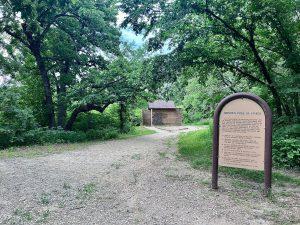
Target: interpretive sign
{"points": [[242, 135]]}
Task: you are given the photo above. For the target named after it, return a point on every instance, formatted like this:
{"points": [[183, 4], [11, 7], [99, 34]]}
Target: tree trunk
{"points": [[61, 96], [81, 109], [47, 88], [277, 100], [296, 104], [62, 107], [73, 117], [122, 116]]}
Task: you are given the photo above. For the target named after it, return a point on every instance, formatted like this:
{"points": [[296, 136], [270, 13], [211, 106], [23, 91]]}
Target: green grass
{"points": [[204, 122], [41, 150], [45, 199], [162, 154], [86, 191], [196, 147], [137, 131], [25, 215]]}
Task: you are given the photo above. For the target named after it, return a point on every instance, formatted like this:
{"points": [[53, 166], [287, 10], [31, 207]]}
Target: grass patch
{"points": [[116, 165], [23, 214], [45, 199], [162, 154], [136, 156], [135, 132], [44, 217], [196, 147], [42, 150], [66, 186], [86, 191], [204, 122]]}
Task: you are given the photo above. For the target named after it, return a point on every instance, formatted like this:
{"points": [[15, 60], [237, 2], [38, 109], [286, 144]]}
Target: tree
{"points": [[32, 24], [231, 36], [122, 81]]}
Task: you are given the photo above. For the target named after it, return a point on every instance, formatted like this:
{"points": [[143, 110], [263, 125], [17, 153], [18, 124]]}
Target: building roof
{"points": [[160, 104]]}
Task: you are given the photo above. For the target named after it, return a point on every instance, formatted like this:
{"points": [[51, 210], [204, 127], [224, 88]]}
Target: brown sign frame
{"points": [[268, 138]]}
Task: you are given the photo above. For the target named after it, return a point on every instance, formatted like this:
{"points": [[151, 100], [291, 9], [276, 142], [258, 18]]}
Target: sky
{"points": [[128, 35]]}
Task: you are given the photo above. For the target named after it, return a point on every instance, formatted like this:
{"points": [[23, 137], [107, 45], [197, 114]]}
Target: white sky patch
{"points": [[121, 17], [138, 40], [128, 35]]}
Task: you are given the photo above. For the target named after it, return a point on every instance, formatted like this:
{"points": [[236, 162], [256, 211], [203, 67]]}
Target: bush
{"points": [[102, 134], [98, 121], [286, 146], [5, 137], [286, 152], [42, 136]]}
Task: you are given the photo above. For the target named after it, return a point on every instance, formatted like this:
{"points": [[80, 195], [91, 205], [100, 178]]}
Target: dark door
{"points": [[157, 118]]}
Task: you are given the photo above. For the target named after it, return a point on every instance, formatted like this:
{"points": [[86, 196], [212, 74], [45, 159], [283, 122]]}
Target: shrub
{"points": [[61, 136], [286, 152], [97, 121], [286, 146], [103, 134], [40, 136], [5, 137]]}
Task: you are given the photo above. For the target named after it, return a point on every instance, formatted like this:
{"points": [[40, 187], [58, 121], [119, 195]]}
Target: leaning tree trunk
{"points": [[267, 76], [73, 117], [81, 109]]}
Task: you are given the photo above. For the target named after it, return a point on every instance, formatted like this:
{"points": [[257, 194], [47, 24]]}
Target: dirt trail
{"points": [[132, 181]]}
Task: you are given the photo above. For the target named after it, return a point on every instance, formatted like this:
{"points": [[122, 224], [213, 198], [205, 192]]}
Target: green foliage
{"points": [[97, 121], [254, 43], [42, 136], [14, 120], [286, 146], [46, 136], [136, 117], [286, 152], [103, 134], [202, 99], [6, 137]]}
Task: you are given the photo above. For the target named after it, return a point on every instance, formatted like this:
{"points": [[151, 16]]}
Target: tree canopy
{"points": [[256, 40]]}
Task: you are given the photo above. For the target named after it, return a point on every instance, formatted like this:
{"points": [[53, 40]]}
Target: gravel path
{"points": [[133, 181]]}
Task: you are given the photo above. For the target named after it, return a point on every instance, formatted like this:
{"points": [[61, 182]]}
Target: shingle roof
{"points": [[160, 104]]}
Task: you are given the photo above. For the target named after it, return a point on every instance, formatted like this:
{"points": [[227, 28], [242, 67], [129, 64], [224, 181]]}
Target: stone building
{"points": [[162, 113]]}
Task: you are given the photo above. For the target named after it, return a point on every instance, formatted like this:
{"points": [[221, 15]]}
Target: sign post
{"points": [[242, 136]]}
